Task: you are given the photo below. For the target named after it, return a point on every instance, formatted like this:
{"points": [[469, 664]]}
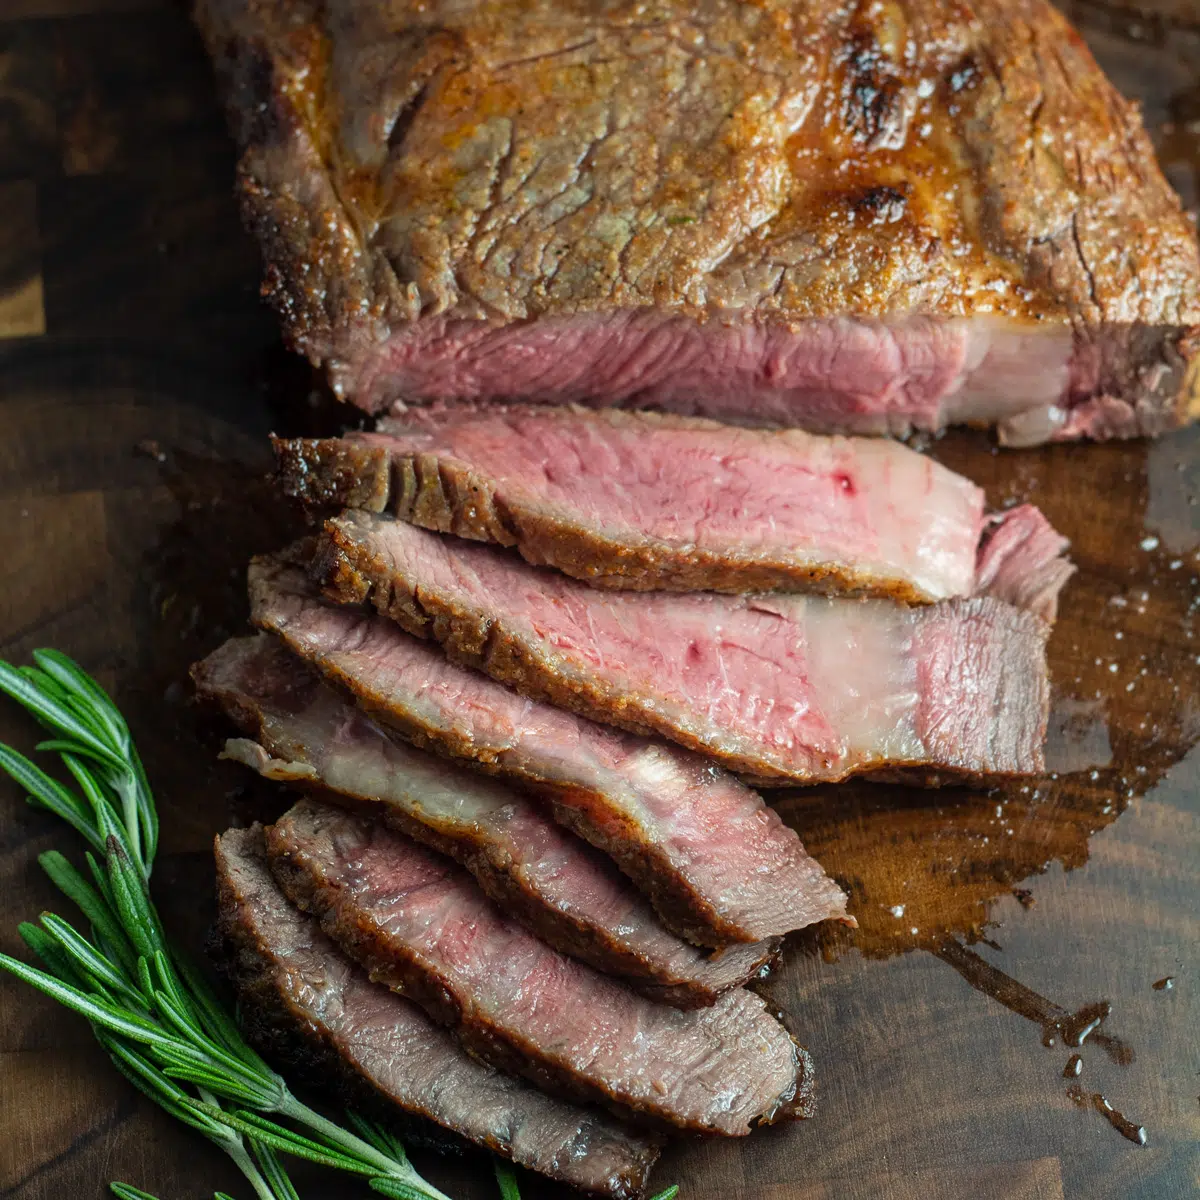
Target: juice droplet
{"points": [[1121, 1123], [1073, 1067], [1165, 984]]}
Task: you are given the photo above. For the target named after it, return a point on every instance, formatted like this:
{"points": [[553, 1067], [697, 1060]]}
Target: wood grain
{"points": [[135, 396]]}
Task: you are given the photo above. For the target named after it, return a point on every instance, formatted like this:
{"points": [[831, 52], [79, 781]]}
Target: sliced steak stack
{"points": [[780, 688], [636, 500], [572, 896], [716, 862], [420, 924], [647, 502], [297, 989], [850, 217]]}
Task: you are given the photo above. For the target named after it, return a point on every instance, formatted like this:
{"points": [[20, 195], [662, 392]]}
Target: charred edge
{"points": [[403, 971], [680, 908], [567, 934], [349, 574], [332, 473], [406, 973], [288, 1038]]}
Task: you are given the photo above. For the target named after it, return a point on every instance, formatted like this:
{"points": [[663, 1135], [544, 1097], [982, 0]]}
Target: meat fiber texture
{"points": [[569, 894], [715, 861], [851, 218], [295, 984], [797, 689], [641, 501], [420, 924]]}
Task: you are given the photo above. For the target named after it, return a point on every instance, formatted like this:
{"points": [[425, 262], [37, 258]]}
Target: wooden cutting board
{"points": [[138, 378]]}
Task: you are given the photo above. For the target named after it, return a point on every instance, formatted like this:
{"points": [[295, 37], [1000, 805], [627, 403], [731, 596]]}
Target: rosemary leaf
{"points": [[273, 1172], [382, 1139], [46, 792], [87, 958], [217, 1023], [279, 1138], [51, 953], [506, 1180], [94, 905], [125, 1192], [102, 1012], [42, 703]]}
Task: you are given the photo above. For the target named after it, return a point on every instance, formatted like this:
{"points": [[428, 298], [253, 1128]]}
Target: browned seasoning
{"points": [[1165, 984]]}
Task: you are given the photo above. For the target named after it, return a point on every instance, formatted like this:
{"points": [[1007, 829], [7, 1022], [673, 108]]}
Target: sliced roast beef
{"points": [[639, 500], [780, 688], [716, 862], [420, 924], [643, 501], [293, 982], [1021, 560], [852, 217], [565, 891]]}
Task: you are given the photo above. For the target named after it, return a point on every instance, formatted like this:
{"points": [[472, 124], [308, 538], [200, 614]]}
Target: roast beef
{"points": [[420, 924], [853, 217], [780, 688], [295, 986], [643, 501], [565, 891], [716, 862], [1021, 560]]}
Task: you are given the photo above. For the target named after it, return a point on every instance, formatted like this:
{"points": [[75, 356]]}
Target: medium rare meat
{"points": [[638, 500], [569, 894], [850, 217], [780, 688], [716, 862], [642, 501], [1021, 560], [294, 983], [419, 923]]}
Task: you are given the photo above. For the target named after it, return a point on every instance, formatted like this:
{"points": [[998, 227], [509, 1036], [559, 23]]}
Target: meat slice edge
{"points": [[779, 688], [420, 924], [716, 862], [294, 982], [558, 886], [650, 502]]}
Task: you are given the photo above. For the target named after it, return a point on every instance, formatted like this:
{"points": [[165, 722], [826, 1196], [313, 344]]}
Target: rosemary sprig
{"points": [[149, 1007], [154, 1014]]}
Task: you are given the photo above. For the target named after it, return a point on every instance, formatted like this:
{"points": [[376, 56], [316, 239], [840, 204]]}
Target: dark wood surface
{"points": [[138, 377]]}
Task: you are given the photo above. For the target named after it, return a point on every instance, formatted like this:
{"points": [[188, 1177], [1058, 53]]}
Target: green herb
{"points": [[667, 1193], [506, 1180], [149, 1007]]}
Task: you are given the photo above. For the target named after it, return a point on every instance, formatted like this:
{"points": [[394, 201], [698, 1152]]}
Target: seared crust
{"points": [[269, 982], [389, 961], [683, 908], [506, 161]]}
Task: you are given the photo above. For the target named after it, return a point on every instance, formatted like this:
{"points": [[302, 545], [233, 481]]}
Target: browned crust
{"points": [[885, 116], [588, 814], [440, 493], [286, 1035], [350, 573], [410, 975]]}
